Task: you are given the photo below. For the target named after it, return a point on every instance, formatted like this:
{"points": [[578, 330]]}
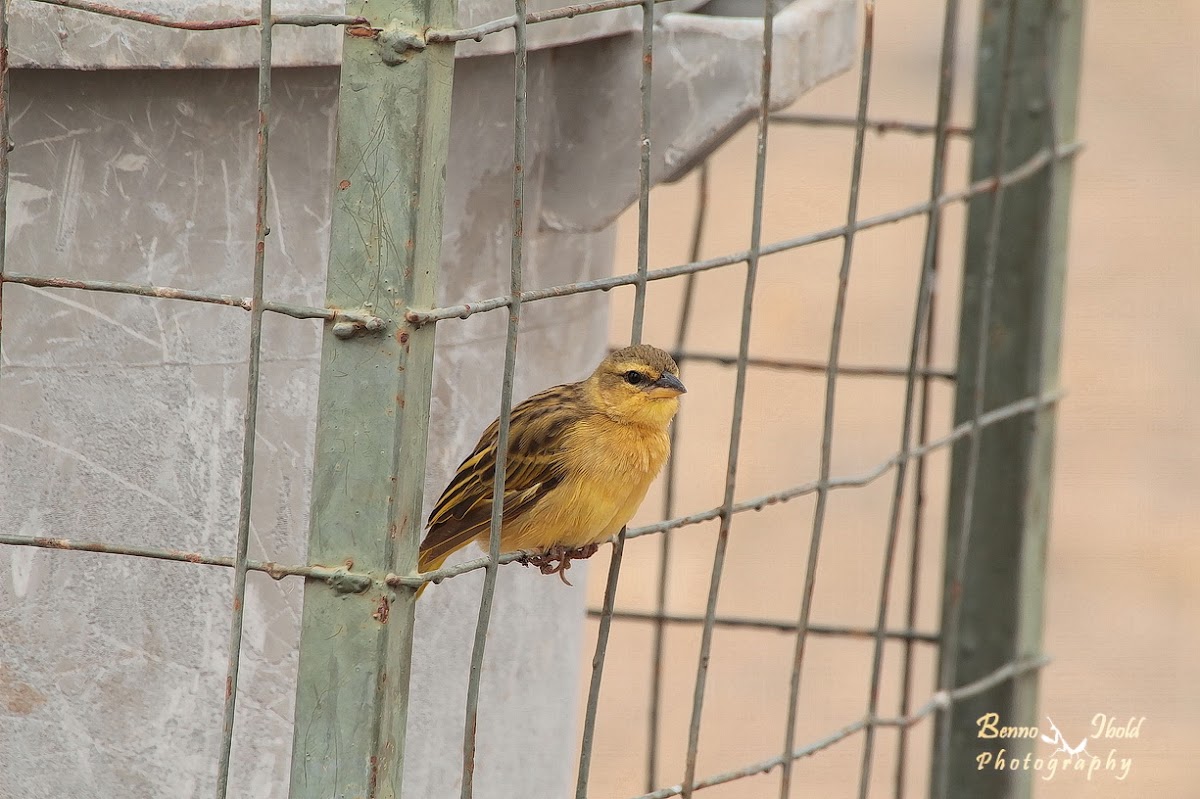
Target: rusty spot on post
{"points": [[343, 185], [382, 610], [373, 779]]}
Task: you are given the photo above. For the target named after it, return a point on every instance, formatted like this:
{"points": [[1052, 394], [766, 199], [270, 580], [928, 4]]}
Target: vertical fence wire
{"points": [[604, 629], [1050, 25], [739, 396], [927, 294], [643, 264], [669, 488], [947, 672], [520, 121], [921, 322], [826, 452], [250, 430], [5, 148]]}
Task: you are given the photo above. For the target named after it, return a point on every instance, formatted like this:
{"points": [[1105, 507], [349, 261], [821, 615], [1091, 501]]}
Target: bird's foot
{"points": [[556, 560]]}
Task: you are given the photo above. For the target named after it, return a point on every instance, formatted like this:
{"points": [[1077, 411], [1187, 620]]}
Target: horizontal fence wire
{"points": [[353, 580], [847, 631], [938, 702], [364, 321], [301, 20], [875, 125], [801, 365], [1031, 167], [918, 373], [477, 32], [432, 35]]}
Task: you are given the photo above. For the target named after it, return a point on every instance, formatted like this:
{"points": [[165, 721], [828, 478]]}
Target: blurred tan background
{"points": [[1123, 601]]}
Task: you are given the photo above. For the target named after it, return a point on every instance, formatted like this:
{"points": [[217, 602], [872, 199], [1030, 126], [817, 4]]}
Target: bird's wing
{"points": [[533, 468]]}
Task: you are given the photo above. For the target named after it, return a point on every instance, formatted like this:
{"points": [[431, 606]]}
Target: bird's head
{"points": [[637, 385]]}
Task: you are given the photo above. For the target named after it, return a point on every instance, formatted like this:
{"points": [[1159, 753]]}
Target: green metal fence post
{"points": [[355, 647], [1009, 342]]}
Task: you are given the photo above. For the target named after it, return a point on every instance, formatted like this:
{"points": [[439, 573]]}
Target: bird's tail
{"points": [[429, 560]]}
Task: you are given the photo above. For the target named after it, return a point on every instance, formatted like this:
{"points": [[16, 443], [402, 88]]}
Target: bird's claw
{"points": [[557, 560]]}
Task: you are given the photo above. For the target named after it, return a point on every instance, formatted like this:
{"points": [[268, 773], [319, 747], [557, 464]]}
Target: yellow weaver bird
{"points": [[581, 457]]}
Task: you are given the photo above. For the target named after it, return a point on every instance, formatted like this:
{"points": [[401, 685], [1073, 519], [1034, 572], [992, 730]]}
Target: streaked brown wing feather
{"points": [[447, 537], [532, 470]]}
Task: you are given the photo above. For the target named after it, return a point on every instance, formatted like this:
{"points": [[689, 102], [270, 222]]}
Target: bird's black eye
{"points": [[634, 377]]}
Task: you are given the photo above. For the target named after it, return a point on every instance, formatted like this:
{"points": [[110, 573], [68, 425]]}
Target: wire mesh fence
{"points": [[401, 254]]}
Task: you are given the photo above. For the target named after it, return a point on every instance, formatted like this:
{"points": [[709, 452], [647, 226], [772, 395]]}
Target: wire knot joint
{"points": [[357, 322], [396, 43]]}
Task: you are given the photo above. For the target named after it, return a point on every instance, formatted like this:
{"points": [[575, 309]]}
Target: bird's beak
{"points": [[669, 385]]}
